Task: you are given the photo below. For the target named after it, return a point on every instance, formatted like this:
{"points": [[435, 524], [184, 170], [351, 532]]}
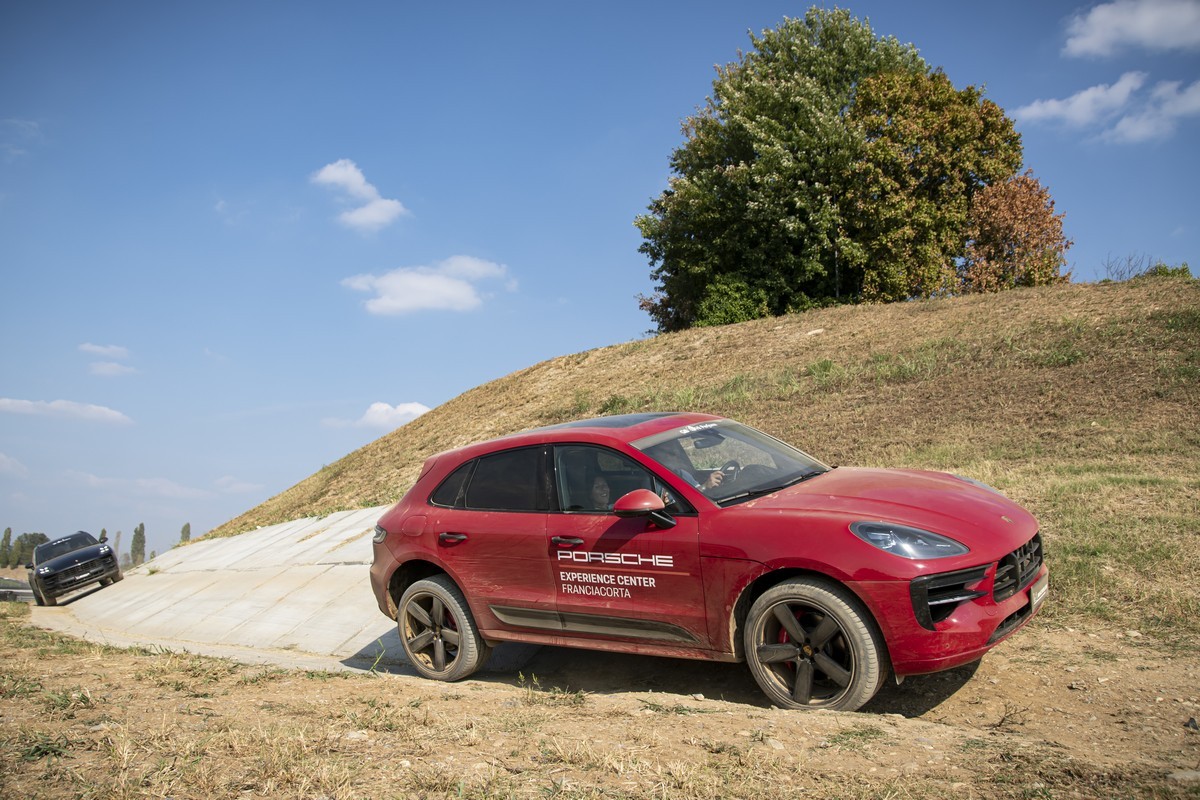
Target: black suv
{"points": [[68, 563]]}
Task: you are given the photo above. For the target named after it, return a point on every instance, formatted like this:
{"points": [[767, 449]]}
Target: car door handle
{"points": [[451, 538], [567, 540]]}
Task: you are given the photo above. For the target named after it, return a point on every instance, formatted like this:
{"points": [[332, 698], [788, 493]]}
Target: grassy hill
{"points": [[1081, 402]]}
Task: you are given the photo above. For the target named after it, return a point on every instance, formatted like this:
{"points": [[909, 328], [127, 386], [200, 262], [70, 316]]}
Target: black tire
{"points": [[810, 644], [49, 599], [37, 596], [118, 577], [437, 630]]}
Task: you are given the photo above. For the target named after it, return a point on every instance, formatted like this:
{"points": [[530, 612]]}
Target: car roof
{"points": [[618, 428]]}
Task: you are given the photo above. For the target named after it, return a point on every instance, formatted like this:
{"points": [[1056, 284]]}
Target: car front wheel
{"points": [[810, 644], [438, 632]]}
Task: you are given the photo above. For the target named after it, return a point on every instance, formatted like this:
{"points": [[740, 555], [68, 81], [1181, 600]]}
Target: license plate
{"points": [[1039, 590]]}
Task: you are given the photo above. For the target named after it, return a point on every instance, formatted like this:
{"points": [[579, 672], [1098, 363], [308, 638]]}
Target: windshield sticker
{"points": [[702, 426]]}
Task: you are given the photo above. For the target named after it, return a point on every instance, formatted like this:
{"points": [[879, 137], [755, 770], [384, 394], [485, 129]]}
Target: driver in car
{"points": [[671, 456]]}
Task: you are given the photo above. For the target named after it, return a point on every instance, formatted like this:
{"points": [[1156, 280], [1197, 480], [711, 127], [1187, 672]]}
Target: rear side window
{"points": [[449, 494], [505, 481]]}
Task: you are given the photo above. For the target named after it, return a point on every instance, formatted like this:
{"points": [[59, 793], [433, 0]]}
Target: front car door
{"points": [[622, 578]]}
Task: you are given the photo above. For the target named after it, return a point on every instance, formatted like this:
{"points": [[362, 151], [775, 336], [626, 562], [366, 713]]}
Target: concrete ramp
{"points": [[298, 592]]}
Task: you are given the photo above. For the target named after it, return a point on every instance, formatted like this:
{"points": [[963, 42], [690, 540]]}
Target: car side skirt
{"points": [[593, 624], [494, 636]]}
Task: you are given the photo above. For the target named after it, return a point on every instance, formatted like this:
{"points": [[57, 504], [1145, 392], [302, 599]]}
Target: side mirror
{"points": [[644, 503]]}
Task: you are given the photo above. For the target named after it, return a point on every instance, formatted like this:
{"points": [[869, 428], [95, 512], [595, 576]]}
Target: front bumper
{"points": [[77, 575], [965, 632]]}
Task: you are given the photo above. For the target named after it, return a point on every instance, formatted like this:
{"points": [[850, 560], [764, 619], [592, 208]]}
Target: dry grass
{"points": [[1080, 401], [161, 724]]}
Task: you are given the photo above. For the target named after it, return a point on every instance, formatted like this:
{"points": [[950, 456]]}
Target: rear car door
{"points": [[489, 517]]}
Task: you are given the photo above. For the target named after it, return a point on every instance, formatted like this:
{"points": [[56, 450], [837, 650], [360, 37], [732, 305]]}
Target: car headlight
{"points": [[906, 542], [380, 534], [43, 570], [105, 550]]}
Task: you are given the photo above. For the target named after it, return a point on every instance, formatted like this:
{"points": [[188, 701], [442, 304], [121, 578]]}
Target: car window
{"points": [[591, 479], [449, 493], [506, 481]]}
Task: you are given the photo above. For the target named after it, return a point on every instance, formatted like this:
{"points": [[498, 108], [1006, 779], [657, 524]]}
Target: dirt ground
{"points": [[1050, 713]]}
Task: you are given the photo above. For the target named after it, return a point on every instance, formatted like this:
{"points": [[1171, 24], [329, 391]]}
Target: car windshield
{"points": [[60, 547], [751, 463]]}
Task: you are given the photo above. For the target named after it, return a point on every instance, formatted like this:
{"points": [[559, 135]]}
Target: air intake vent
{"points": [[934, 597]]}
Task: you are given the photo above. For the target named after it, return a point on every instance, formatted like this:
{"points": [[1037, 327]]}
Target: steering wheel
{"points": [[732, 469]]}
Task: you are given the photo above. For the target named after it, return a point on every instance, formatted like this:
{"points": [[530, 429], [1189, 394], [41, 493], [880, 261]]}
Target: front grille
{"points": [[1018, 568], [934, 597], [76, 574]]}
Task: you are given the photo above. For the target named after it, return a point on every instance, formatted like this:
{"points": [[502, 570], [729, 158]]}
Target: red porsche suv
{"points": [[694, 536]]}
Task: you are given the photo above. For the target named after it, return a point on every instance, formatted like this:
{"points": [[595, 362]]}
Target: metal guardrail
{"points": [[16, 595]]}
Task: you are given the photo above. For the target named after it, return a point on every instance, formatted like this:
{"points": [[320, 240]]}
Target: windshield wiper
{"points": [[753, 493]]}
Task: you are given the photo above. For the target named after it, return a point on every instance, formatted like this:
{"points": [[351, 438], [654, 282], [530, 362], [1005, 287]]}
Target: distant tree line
{"points": [[832, 166]]}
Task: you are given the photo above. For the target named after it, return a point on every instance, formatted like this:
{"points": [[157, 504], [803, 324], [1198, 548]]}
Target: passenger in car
{"points": [[600, 494]]}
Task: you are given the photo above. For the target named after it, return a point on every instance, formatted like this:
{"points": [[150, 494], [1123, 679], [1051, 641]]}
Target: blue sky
{"points": [[240, 240]]}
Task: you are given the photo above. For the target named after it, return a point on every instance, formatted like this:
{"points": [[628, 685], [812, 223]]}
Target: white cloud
{"points": [[64, 408], [449, 285], [1127, 115], [13, 467], [1150, 24], [104, 350], [1158, 118], [383, 416], [231, 485], [146, 487], [373, 211], [110, 369], [1086, 107], [15, 134]]}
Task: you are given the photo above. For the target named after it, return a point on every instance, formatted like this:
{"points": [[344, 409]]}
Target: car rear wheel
{"points": [[438, 632], [810, 644]]}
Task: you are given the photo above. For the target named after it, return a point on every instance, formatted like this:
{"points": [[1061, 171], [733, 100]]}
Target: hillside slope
{"points": [[1080, 401]]}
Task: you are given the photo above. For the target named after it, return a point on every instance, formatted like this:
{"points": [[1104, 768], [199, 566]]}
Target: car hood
{"points": [[933, 501], [89, 553]]}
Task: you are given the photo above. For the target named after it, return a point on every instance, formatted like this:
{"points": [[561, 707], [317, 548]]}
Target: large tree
{"points": [[828, 165]]}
